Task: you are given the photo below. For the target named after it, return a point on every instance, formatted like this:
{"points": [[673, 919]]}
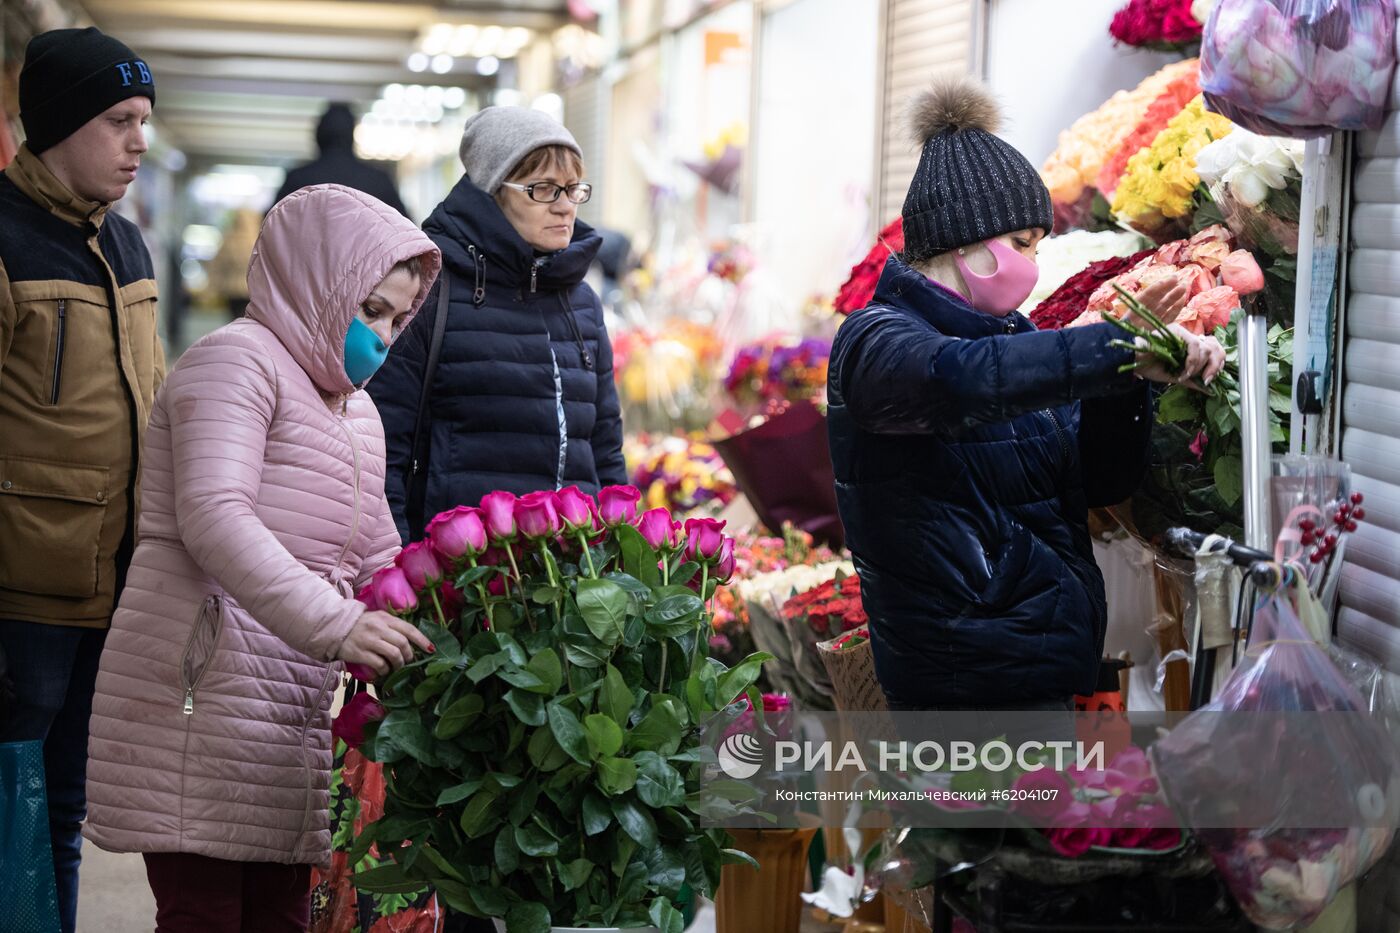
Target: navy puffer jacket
{"points": [[522, 398], [965, 467]]}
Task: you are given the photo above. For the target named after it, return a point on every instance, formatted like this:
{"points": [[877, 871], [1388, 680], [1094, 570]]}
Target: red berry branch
{"points": [[1322, 537]]}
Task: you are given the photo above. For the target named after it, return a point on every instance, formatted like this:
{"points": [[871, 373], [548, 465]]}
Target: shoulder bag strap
{"points": [[419, 464]]}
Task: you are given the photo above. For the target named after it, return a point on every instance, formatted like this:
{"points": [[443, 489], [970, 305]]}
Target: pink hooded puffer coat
{"points": [[263, 511]]}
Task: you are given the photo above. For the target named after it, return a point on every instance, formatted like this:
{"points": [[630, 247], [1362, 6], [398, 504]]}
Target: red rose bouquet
{"points": [[1164, 25], [830, 609], [860, 287], [1070, 299]]}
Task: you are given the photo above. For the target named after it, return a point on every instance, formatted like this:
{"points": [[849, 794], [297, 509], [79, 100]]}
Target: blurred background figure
{"points": [[338, 164], [228, 271]]}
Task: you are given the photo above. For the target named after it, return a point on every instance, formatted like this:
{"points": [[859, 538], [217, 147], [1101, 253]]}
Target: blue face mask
{"points": [[364, 352]]}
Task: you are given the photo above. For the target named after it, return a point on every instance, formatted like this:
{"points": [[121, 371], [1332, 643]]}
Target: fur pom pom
{"points": [[960, 103]]}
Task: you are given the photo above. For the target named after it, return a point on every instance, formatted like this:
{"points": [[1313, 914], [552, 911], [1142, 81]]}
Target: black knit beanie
{"points": [[72, 75], [970, 186]]}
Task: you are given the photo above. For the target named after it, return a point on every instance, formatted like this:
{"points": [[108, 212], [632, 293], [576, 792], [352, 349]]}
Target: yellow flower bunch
{"points": [[1076, 161], [1161, 180]]}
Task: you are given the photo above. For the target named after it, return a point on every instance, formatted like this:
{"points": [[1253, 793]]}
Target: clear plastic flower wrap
{"points": [[1256, 183], [1290, 748], [1299, 67]]}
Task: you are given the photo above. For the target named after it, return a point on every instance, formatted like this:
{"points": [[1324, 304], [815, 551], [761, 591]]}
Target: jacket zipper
{"points": [[535, 273], [1059, 433], [58, 350], [212, 607], [355, 520]]}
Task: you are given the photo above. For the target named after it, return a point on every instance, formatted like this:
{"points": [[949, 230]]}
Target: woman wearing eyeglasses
{"points": [[509, 384]]}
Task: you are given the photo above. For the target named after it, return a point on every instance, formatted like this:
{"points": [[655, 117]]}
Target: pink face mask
{"points": [[1007, 288]]}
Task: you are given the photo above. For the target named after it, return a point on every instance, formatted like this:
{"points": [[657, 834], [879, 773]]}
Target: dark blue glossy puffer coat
{"points": [[965, 465], [522, 397]]}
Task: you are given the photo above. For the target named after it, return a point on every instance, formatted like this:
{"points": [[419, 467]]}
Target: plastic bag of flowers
{"points": [[1299, 796], [1256, 183], [1299, 67]]}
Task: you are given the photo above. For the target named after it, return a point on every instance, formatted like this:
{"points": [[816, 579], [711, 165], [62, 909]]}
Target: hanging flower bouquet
{"points": [[1256, 183], [1161, 25], [548, 746]]}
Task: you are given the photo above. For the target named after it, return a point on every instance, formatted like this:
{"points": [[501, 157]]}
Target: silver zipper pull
{"points": [[189, 702], [534, 277]]}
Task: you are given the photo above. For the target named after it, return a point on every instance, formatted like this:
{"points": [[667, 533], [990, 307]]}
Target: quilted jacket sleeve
{"points": [[384, 544], [607, 429], [897, 375], [221, 400]]}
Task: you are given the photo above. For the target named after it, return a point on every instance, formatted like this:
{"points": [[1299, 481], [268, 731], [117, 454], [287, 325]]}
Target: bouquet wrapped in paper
{"points": [[1300, 67], [1257, 185]]}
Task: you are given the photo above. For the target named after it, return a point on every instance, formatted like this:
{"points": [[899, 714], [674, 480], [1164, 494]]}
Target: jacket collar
{"points": [[469, 217], [33, 177], [906, 289]]}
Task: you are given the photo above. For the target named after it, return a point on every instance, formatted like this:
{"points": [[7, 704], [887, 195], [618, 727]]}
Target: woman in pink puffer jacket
{"points": [[263, 511]]}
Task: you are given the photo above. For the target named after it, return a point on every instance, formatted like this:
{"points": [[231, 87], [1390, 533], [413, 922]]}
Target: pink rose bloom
{"points": [[658, 529], [536, 516], [1171, 254], [1241, 272], [704, 539], [349, 726], [576, 509], [368, 596], [1209, 254], [1130, 837], [1088, 317], [1198, 444], [1209, 310], [361, 672], [498, 511], [1212, 233], [724, 567], [1072, 843], [1053, 784], [395, 593], [420, 566], [617, 505], [458, 533]]}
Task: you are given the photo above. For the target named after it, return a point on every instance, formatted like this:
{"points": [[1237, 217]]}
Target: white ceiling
{"points": [[246, 79]]}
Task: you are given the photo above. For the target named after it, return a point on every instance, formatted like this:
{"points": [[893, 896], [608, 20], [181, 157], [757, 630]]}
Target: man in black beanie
{"points": [[80, 361], [338, 165]]}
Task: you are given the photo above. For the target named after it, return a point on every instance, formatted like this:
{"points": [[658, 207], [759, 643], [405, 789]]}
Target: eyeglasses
{"points": [[546, 192]]}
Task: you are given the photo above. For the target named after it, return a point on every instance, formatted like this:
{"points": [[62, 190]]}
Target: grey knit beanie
{"points": [[498, 139], [970, 186]]}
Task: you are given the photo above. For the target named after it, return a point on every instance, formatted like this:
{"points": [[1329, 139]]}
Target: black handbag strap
{"points": [[418, 463]]}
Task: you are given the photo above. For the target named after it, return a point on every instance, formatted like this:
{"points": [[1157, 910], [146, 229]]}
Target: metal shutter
{"points": [[1369, 611], [585, 117], [921, 39], [1370, 371]]}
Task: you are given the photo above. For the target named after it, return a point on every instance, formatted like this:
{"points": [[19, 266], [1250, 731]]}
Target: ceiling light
{"points": [[393, 92], [418, 62], [488, 66], [518, 36], [492, 33], [442, 64], [414, 93], [507, 97], [453, 98]]}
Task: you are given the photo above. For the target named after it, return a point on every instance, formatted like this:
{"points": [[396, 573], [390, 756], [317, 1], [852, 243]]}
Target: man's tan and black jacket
{"points": [[80, 361]]}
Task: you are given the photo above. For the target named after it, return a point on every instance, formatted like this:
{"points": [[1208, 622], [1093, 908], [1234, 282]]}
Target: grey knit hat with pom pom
{"points": [[970, 186]]}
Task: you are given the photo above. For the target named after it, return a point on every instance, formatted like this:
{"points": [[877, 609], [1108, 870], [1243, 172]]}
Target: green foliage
{"points": [[546, 768]]}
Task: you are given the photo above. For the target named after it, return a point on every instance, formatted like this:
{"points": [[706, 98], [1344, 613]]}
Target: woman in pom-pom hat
{"points": [[968, 447]]}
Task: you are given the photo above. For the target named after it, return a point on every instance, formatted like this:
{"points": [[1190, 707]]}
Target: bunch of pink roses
{"points": [[504, 529], [1118, 807]]}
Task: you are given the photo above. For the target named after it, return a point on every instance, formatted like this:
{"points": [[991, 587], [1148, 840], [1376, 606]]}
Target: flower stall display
{"points": [[684, 474], [1158, 190], [1300, 67], [543, 762], [1072, 169], [1062, 257], [1173, 99], [1284, 875], [763, 596], [778, 369], [756, 554], [665, 374], [1162, 25]]}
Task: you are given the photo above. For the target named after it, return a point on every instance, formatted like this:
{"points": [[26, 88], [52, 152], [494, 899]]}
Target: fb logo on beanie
{"points": [[124, 68]]}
